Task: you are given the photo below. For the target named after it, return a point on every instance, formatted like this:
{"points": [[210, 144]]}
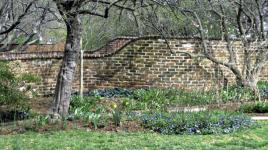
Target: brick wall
{"points": [[135, 62], [36, 48]]}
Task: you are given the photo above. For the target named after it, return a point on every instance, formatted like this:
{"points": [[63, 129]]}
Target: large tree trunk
{"points": [[67, 70]]}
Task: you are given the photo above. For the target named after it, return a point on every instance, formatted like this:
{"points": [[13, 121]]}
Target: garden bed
{"points": [[117, 110]]}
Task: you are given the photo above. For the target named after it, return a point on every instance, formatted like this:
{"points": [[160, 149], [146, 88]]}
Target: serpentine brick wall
{"points": [[135, 62]]}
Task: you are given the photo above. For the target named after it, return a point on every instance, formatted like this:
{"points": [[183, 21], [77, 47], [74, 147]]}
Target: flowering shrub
{"points": [[214, 122]]}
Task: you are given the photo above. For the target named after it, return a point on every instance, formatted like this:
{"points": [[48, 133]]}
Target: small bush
{"points": [[258, 107], [196, 123], [12, 94]]}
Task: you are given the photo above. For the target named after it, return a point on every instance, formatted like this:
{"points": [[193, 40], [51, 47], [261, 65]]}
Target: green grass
{"points": [[78, 139]]}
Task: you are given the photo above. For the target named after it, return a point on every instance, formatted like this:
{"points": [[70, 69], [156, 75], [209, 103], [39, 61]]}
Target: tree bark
{"points": [[249, 82], [68, 67]]}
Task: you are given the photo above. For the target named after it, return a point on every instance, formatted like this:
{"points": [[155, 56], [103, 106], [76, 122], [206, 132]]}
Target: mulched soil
{"points": [[23, 126]]}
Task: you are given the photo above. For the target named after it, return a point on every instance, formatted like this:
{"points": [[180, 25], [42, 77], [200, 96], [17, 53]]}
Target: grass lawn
{"points": [[80, 139]]}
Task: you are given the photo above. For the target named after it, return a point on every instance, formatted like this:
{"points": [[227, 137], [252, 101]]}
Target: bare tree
{"points": [[21, 22], [71, 12], [235, 20]]}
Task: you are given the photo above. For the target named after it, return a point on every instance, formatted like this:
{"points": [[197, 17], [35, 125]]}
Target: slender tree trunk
{"points": [[68, 67], [250, 82]]}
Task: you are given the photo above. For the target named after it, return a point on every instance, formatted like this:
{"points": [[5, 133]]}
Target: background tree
{"points": [[21, 22], [231, 20]]}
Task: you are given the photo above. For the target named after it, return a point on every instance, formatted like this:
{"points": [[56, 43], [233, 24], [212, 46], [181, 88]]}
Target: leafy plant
{"points": [[111, 92], [207, 122], [263, 89], [41, 120], [9, 89], [117, 114], [87, 117], [84, 104], [194, 98], [258, 107], [237, 93], [29, 78], [262, 84], [153, 99]]}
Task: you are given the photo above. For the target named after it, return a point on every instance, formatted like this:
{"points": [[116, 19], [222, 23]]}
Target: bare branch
{"points": [[16, 23]]}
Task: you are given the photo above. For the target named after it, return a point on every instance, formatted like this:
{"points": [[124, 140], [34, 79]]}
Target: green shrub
{"points": [[10, 95], [258, 107], [207, 122]]}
